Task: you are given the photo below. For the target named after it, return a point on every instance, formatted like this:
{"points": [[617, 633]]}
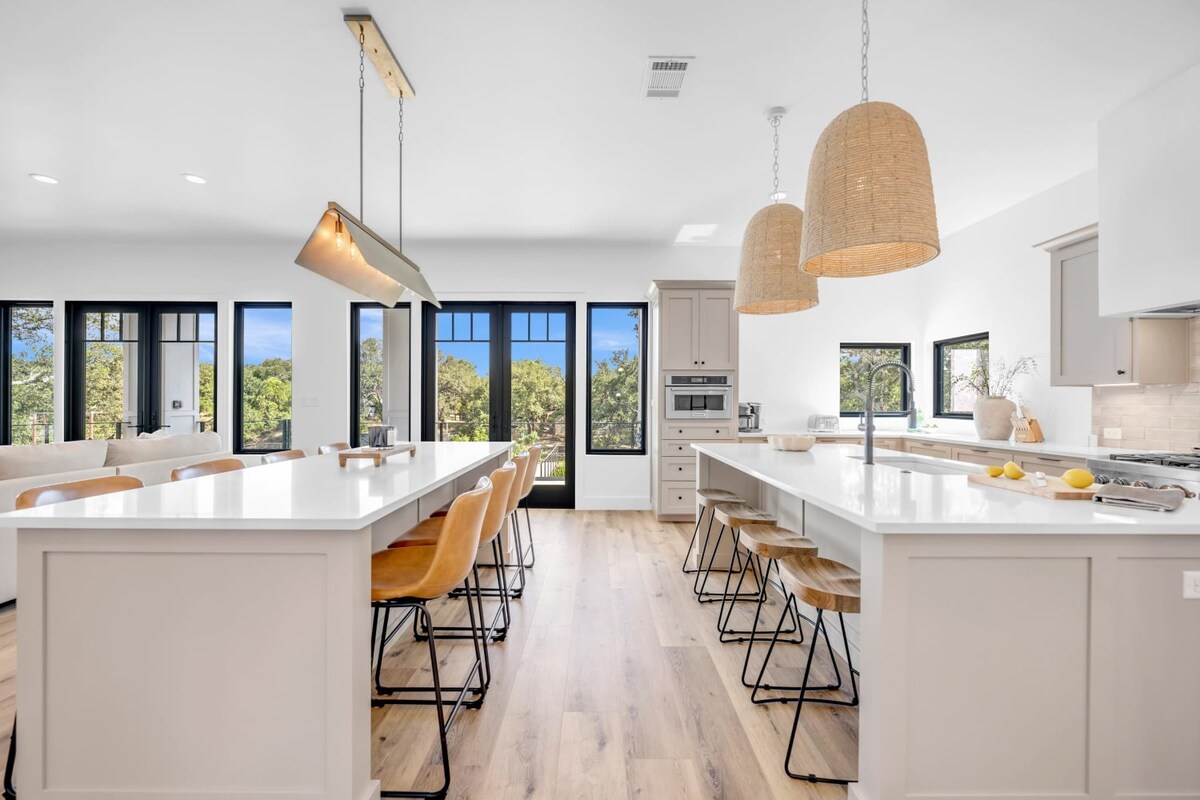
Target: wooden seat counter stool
{"points": [[763, 545], [731, 517], [523, 463], [214, 467], [827, 586], [283, 455], [706, 501], [44, 496], [407, 578], [335, 447]]}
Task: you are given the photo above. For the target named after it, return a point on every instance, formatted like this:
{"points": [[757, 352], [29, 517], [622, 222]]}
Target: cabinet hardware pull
{"points": [[1120, 372], [978, 450], [1048, 458]]}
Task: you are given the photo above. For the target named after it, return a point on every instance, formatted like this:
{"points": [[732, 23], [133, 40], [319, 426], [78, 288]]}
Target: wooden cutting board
{"points": [[1055, 488]]}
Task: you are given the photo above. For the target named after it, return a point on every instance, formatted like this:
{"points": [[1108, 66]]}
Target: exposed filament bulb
{"points": [[338, 236]]}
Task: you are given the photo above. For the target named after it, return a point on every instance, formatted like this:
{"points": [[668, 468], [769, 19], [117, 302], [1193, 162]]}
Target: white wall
{"points": [[66, 270], [989, 277]]}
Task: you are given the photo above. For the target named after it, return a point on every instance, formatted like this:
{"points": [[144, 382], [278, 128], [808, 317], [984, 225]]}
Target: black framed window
{"points": [[954, 360], [616, 378], [380, 369], [891, 386], [262, 377], [26, 373]]}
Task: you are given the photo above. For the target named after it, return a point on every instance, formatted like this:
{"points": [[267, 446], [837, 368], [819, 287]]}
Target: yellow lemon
{"points": [[1079, 478], [995, 472], [1011, 470]]}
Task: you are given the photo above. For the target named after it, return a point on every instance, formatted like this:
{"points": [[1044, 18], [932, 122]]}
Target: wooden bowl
{"points": [[791, 441]]}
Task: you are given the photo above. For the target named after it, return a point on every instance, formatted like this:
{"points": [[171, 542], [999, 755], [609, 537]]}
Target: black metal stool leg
{"points": [[695, 540], [760, 685], [443, 723], [735, 565], [729, 635], [787, 761], [10, 791], [532, 555]]}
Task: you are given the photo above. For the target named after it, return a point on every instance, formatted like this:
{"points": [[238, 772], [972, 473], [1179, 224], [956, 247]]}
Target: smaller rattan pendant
{"points": [[769, 277]]}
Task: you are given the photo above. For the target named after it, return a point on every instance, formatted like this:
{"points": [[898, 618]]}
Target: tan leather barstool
{"points": [[44, 496], [283, 455], [535, 457], [75, 490], [335, 447], [427, 534], [407, 578], [826, 585], [731, 517], [214, 467], [706, 500]]}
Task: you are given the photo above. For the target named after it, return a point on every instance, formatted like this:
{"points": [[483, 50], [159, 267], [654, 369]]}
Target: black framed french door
{"points": [[139, 367], [505, 371]]}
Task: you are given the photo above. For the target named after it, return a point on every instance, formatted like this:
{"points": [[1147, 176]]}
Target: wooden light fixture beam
{"points": [[381, 55]]}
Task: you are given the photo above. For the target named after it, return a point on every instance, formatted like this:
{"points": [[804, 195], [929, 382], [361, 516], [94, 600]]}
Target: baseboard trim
{"points": [[612, 503]]}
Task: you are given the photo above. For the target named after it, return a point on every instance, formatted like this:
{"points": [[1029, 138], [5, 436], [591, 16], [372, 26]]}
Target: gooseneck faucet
{"points": [[869, 441]]}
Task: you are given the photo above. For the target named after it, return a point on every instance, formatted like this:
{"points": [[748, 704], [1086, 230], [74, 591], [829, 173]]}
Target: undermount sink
{"points": [[909, 464]]}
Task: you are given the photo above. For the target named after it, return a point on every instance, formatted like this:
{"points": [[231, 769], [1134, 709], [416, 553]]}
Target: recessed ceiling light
{"points": [[187, 176], [40, 178], [695, 234], [777, 196]]}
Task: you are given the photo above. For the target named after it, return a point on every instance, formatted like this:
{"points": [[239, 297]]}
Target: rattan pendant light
{"points": [[870, 195], [769, 277]]}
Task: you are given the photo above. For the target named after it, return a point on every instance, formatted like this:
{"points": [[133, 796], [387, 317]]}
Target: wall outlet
{"points": [[1191, 585], [1110, 433], [308, 402]]}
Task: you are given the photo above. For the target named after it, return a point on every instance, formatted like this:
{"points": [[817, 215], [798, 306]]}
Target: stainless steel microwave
{"points": [[699, 396]]}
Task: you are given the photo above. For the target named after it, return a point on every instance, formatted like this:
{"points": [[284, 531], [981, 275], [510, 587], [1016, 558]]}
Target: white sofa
{"points": [[26, 466]]}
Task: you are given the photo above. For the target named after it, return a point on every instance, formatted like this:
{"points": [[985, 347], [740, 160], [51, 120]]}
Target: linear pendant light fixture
{"points": [[341, 247], [770, 280], [870, 194]]}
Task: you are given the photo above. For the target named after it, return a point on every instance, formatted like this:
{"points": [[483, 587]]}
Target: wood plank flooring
{"points": [[612, 684]]}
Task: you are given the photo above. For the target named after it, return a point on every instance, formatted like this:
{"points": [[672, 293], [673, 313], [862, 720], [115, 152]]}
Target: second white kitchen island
{"points": [[211, 638], [1010, 646]]}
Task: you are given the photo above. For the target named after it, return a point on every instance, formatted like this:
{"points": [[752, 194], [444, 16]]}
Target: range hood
{"points": [[362, 261], [1185, 310]]}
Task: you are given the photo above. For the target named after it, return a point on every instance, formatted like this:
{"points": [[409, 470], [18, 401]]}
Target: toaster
{"points": [[823, 423]]}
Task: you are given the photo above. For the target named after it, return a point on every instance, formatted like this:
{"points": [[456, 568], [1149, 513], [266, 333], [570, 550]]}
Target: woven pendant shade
{"points": [[870, 196], [769, 279]]}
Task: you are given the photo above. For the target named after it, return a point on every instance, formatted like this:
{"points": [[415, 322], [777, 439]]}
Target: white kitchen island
{"points": [[211, 638], [1010, 646]]}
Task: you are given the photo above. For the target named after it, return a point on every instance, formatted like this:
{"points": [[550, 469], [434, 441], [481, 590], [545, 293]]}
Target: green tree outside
{"points": [[856, 364]]}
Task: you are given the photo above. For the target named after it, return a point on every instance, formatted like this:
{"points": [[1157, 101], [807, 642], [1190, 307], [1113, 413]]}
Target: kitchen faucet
{"points": [[869, 441]]}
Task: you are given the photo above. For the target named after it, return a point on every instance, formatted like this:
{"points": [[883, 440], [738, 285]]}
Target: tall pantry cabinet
{"points": [[696, 331]]}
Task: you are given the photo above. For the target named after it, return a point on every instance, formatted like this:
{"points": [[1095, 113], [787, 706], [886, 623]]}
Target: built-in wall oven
{"points": [[699, 396]]}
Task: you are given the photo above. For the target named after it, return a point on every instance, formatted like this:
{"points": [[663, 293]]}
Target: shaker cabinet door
{"points": [[680, 311], [717, 331]]}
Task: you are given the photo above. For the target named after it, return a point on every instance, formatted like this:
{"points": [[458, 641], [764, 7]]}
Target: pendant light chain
{"points": [[400, 178], [866, 43], [775, 168], [362, 55]]}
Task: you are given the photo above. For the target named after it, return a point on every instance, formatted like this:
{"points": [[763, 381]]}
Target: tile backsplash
{"points": [[1152, 417]]}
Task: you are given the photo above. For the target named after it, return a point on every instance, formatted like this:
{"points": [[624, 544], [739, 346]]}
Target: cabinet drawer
{"points": [[930, 449], [679, 469], [677, 450], [677, 497], [890, 444], [985, 456], [697, 432], [839, 440], [1051, 465]]}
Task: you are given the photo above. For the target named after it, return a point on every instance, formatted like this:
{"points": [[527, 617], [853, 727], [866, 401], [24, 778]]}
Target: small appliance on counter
{"points": [[749, 417], [823, 423]]}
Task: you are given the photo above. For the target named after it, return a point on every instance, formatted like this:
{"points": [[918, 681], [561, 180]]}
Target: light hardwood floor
{"points": [[612, 684]]}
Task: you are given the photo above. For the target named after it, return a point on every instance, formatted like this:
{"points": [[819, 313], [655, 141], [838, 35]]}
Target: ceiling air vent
{"points": [[665, 74]]}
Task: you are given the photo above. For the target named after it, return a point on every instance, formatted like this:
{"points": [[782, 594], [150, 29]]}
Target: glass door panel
{"points": [[111, 375], [537, 391], [380, 370], [31, 374], [187, 371], [462, 376]]}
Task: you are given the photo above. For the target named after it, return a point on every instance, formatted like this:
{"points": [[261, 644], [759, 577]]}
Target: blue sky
{"points": [[266, 333]]}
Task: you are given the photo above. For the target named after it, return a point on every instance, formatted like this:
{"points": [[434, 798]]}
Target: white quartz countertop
{"points": [[885, 499], [311, 493], [1041, 448]]}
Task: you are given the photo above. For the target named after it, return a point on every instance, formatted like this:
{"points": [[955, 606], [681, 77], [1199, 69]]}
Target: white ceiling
{"points": [[529, 121]]}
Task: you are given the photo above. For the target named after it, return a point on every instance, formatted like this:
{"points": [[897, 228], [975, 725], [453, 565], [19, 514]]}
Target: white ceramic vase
{"points": [[993, 417]]}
